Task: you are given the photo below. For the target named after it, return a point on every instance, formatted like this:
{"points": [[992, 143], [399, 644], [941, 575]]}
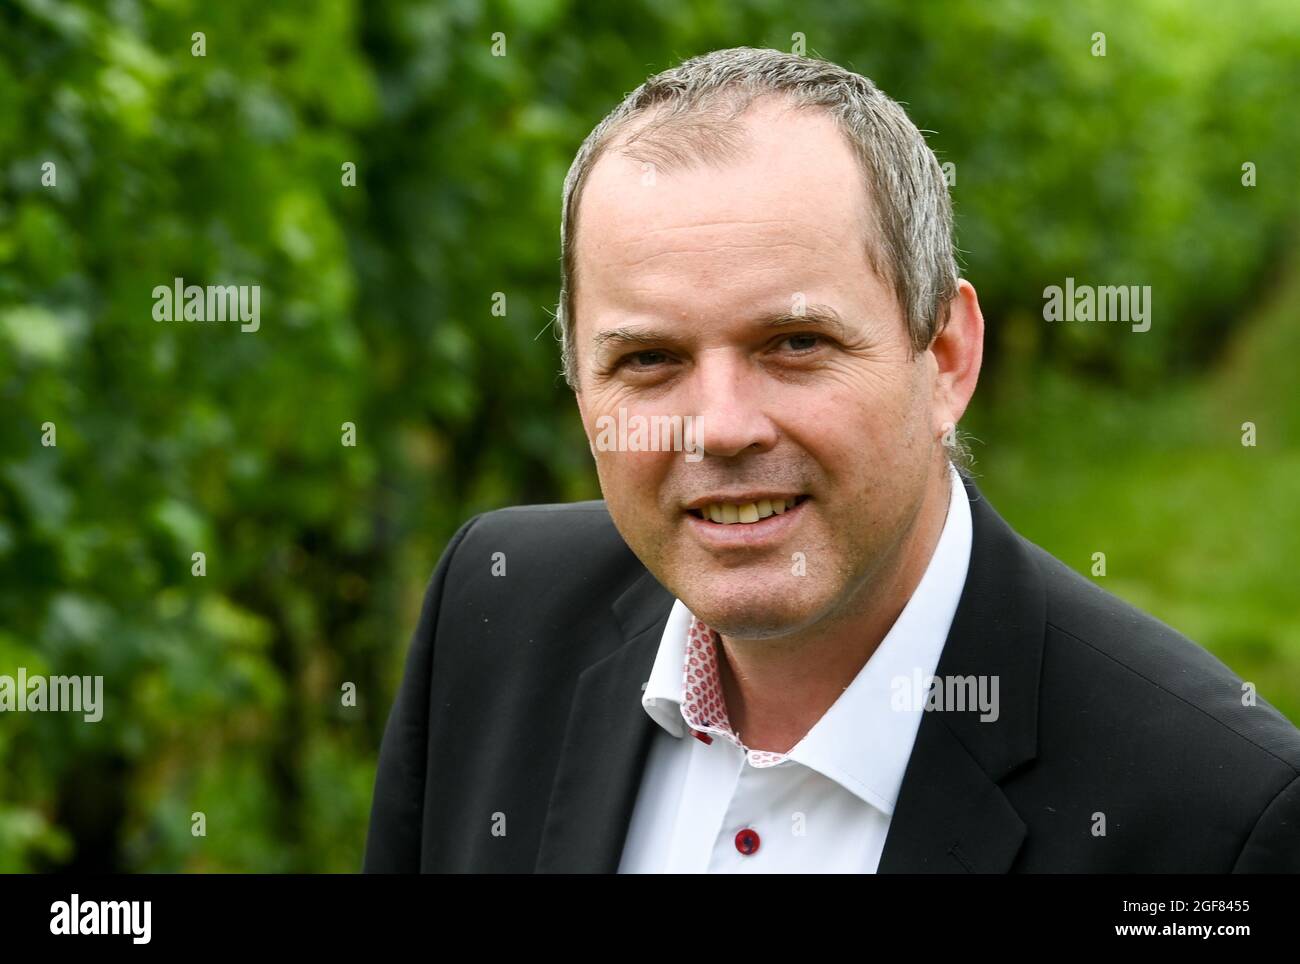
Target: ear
{"points": [[958, 351]]}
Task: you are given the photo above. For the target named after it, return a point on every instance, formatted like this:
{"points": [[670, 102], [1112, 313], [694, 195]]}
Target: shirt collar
{"points": [[863, 741]]}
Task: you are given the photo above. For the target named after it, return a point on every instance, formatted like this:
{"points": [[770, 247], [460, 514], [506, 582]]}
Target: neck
{"points": [[777, 688]]}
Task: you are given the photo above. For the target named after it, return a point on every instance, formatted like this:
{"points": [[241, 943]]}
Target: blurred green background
{"points": [[223, 693]]}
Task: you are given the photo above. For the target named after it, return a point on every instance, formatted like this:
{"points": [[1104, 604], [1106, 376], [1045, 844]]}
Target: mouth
{"points": [[727, 512], [745, 524]]}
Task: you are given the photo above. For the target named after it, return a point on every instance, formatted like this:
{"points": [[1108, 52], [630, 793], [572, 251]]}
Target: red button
{"points": [[747, 841]]}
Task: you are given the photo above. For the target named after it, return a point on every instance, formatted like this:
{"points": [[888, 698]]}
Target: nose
{"points": [[731, 403]]}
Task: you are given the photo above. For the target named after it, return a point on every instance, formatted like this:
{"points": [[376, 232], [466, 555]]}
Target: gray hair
{"points": [[693, 109]]}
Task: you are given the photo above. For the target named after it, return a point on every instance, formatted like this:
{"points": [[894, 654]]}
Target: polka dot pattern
{"points": [[703, 706]]}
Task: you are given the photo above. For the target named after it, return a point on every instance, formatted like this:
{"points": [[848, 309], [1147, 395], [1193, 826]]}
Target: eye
{"points": [[642, 359], [803, 342]]}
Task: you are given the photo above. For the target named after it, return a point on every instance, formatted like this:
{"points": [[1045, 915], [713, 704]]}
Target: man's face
{"points": [[710, 268]]}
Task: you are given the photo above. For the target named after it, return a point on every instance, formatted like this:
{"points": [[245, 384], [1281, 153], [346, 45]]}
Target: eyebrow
{"points": [[634, 336]]}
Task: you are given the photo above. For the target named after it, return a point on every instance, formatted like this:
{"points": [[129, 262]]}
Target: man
{"points": [[805, 642]]}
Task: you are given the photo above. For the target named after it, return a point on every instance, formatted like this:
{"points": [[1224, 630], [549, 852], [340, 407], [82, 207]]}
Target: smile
{"points": [[745, 513], [745, 524]]}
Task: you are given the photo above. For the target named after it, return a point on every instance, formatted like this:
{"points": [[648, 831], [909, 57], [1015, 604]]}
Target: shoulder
{"points": [[536, 574], [561, 542], [561, 525], [1181, 685], [1190, 767], [1173, 738]]}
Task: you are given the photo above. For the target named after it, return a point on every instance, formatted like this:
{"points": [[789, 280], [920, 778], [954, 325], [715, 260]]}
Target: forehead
{"points": [[789, 212]]}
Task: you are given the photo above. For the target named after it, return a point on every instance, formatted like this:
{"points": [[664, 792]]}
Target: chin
{"points": [[752, 611]]}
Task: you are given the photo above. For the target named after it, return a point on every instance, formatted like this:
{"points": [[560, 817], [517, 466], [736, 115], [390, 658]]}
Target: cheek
{"points": [[866, 430], [631, 482], [853, 421]]}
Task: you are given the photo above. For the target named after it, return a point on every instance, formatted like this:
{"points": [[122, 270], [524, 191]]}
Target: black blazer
{"points": [[520, 711]]}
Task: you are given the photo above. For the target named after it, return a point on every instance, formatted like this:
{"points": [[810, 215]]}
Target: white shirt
{"points": [[826, 806]]}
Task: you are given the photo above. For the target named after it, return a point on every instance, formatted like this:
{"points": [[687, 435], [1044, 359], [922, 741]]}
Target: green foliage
{"points": [[223, 691]]}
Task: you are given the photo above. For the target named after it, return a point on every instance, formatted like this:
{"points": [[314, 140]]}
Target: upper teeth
{"points": [[727, 513]]}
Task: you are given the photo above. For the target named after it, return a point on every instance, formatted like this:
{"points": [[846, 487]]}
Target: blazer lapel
{"points": [[607, 742], [951, 816]]}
